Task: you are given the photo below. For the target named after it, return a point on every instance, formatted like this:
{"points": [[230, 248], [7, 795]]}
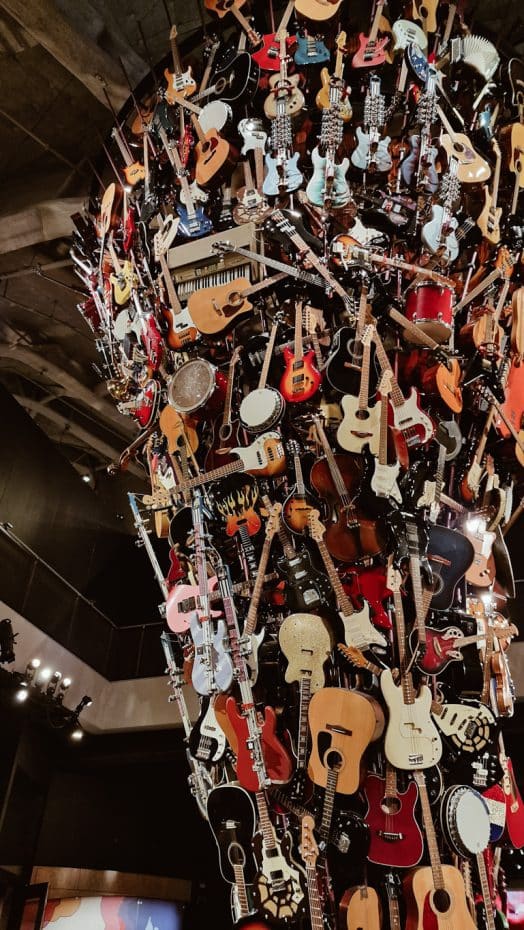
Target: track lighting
{"points": [[54, 681], [85, 702]]}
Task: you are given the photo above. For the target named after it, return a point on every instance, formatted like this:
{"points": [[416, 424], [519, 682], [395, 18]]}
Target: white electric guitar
{"points": [[361, 422], [384, 480]]}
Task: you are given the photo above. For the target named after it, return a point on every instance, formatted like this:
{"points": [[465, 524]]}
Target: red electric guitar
{"points": [[369, 585], [514, 829], [396, 838], [268, 57], [301, 379]]}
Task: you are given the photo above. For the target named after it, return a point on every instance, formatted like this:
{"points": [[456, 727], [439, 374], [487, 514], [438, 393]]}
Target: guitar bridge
{"points": [[390, 837]]}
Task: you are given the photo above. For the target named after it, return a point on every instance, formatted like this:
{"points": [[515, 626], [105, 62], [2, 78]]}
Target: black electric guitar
{"points": [[307, 589]]}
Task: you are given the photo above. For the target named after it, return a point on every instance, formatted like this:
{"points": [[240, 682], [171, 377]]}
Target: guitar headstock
{"points": [[308, 844], [504, 262], [222, 247], [353, 655], [315, 525], [341, 43], [385, 383], [273, 520]]}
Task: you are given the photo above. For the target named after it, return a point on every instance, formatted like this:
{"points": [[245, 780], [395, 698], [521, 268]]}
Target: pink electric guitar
{"points": [[371, 51]]}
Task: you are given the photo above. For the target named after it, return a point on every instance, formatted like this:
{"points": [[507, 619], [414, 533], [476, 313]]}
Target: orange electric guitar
{"points": [[181, 82], [301, 378]]}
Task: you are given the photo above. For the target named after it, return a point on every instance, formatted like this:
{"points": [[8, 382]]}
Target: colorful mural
{"points": [[111, 913]]}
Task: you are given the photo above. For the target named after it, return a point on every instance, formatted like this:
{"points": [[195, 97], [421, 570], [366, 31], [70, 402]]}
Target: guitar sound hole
{"points": [[333, 759], [441, 901], [390, 805]]}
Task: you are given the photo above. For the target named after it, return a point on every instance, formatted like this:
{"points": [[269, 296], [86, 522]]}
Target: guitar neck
{"points": [[332, 464], [416, 581], [175, 55], [284, 22], [174, 301], [268, 832], [376, 19], [343, 600], [383, 431], [144, 536], [124, 151], [301, 487], [252, 614], [174, 158], [363, 391], [280, 266], [316, 909], [262, 381], [328, 805], [397, 397], [240, 883], [486, 893], [408, 693], [486, 667], [226, 417], [431, 839], [303, 729], [207, 70]]}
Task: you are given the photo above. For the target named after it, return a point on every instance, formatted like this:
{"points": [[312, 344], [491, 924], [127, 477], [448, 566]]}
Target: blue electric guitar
{"points": [[193, 221], [310, 50]]}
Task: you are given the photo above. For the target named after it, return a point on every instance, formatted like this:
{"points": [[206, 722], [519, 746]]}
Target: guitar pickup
{"points": [[390, 837]]}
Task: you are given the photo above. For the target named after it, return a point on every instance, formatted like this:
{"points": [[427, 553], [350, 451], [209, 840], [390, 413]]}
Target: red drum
{"points": [[197, 385], [430, 306]]}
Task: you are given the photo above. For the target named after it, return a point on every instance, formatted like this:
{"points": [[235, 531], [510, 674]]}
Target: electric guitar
{"points": [[283, 173], [372, 152], [324, 99], [311, 49], [301, 378], [300, 501], [177, 80], [306, 588], [309, 852], [267, 57], [489, 219], [193, 221], [284, 88], [360, 425], [207, 741], [371, 51], [384, 479], [181, 327], [280, 882]]}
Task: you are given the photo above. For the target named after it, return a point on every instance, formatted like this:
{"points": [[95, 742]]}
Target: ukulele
{"points": [[360, 908], [361, 423], [342, 723], [437, 890], [371, 51], [489, 219], [325, 98], [283, 87], [358, 629], [396, 838], [335, 478], [181, 82], [299, 502], [306, 642], [411, 426], [301, 378]]}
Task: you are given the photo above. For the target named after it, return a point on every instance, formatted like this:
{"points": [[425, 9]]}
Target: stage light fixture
{"points": [[54, 681], [85, 702], [22, 694], [77, 734]]}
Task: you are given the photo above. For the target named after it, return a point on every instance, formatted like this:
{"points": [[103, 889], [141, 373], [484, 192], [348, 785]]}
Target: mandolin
{"points": [[301, 378], [343, 723], [435, 894]]}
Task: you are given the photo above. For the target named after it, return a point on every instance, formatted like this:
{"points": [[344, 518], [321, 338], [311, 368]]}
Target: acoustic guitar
{"points": [[360, 909]]}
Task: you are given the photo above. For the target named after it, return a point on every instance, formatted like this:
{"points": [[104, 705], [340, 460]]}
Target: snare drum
{"points": [[465, 820], [260, 410], [430, 306], [197, 384]]}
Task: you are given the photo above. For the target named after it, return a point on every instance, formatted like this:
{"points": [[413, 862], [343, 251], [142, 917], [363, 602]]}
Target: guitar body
{"points": [[442, 647], [123, 282], [439, 232], [214, 159], [181, 331], [317, 10], [343, 364], [360, 909], [267, 57], [301, 380], [410, 420], [296, 510], [369, 585], [310, 50], [280, 883], [409, 166], [359, 631], [232, 819], [317, 187], [237, 75], [370, 153], [342, 723], [282, 174], [306, 641], [223, 665], [181, 603], [412, 741], [207, 741], [294, 97], [194, 223], [514, 830], [384, 482], [488, 220], [359, 427], [344, 108], [450, 554], [471, 726], [306, 587], [370, 54], [428, 909], [199, 675], [215, 309], [279, 765], [472, 168], [395, 837], [182, 84]]}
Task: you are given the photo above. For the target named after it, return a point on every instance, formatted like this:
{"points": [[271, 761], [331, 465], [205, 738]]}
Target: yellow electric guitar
{"points": [[124, 278], [324, 96]]}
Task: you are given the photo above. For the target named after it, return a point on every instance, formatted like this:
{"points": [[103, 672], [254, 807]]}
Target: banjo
{"points": [[465, 820], [262, 408]]}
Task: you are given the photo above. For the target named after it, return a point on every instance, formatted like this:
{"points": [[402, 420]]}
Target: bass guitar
{"points": [[207, 741], [395, 835], [299, 502]]}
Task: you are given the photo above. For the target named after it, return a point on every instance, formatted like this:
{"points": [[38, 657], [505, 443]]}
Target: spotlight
{"points": [[66, 683], [62, 688], [85, 702], [86, 478], [45, 674], [31, 669], [77, 734], [22, 694], [53, 683]]}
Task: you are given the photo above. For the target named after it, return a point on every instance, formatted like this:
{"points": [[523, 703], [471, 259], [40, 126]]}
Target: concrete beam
{"points": [[71, 386], [107, 452], [76, 52], [42, 222]]}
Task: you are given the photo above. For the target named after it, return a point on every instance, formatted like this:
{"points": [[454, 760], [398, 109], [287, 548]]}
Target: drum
{"points": [[465, 820], [260, 410], [197, 385], [430, 306]]}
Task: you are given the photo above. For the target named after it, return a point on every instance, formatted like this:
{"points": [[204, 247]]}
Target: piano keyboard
{"points": [[194, 265]]}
